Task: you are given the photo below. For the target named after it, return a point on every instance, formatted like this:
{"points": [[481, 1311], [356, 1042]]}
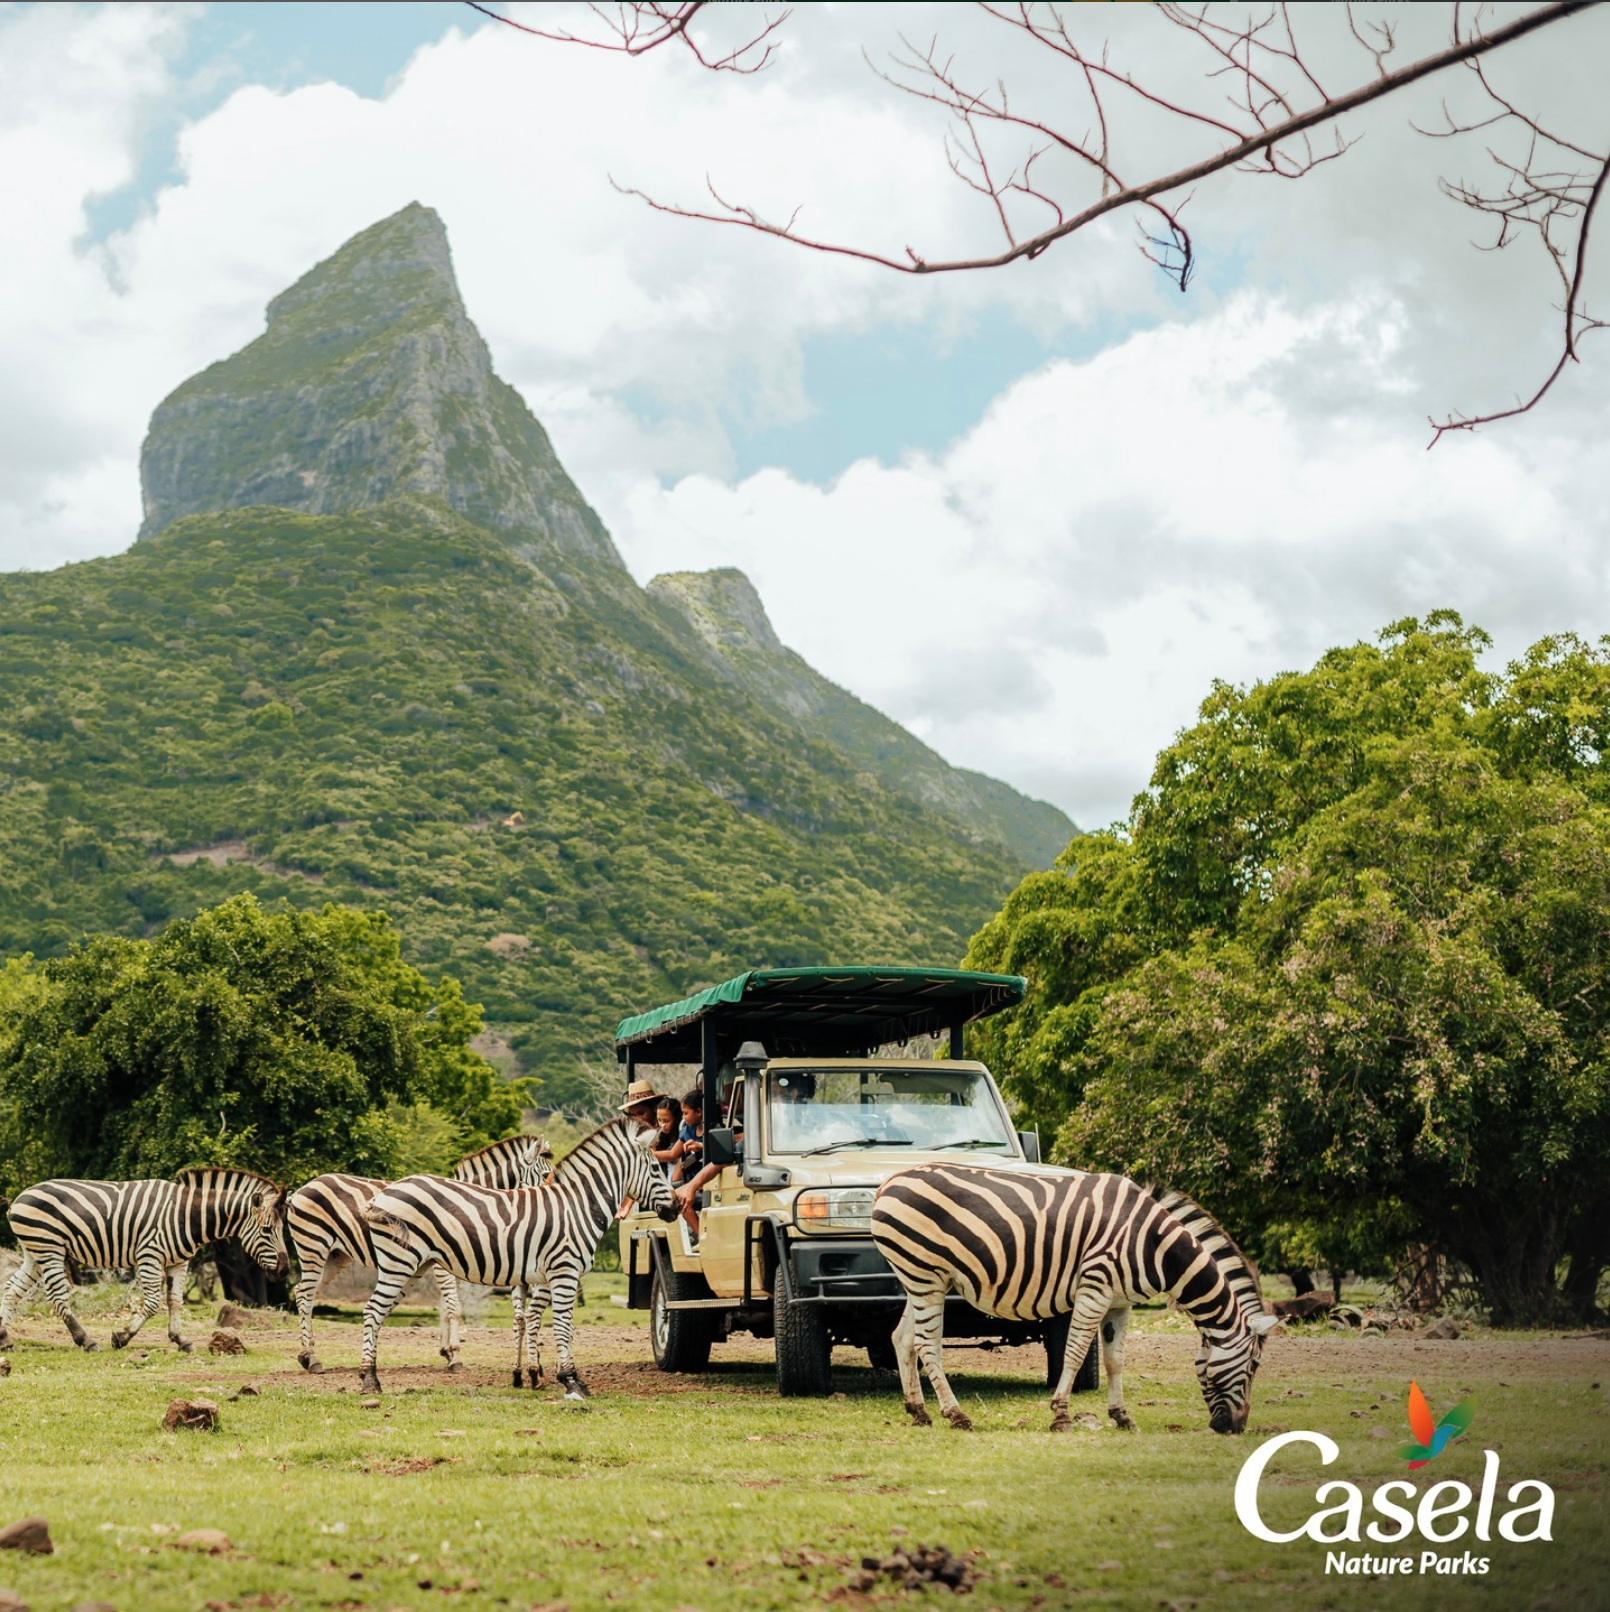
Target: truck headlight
{"points": [[835, 1209]]}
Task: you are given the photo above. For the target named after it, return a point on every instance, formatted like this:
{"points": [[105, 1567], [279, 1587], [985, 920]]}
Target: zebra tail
{"points": [[387, 1225]]}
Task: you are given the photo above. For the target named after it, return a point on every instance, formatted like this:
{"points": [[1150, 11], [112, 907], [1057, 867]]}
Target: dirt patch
{"points": [[615, 1359]]}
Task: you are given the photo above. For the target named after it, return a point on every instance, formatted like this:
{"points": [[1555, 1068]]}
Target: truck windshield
{"points": [[823, 1110]]}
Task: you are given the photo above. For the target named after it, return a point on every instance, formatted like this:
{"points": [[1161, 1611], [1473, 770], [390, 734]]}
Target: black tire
{"points": [[804, 1348], [1088, 1377], [680, 1339]]}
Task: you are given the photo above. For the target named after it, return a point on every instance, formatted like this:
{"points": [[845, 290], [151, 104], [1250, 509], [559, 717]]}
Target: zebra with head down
{"points": [[1028, 1246]]}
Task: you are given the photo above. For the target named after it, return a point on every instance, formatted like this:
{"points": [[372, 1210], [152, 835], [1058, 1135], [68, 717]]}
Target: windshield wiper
{"points": [[859, 1141], [971, 1142]]}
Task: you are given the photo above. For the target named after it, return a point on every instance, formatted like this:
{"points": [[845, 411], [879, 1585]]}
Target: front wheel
{"points": [[804, 1347], [1088, 1377], [680, 1339]]}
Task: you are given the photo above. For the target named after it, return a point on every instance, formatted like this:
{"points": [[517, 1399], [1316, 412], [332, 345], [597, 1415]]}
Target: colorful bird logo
{"points": [[1433, 1439]]}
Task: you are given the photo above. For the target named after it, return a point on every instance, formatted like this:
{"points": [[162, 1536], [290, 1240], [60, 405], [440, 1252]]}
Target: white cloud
{"points": [[1226, 494], [1050, 600]]}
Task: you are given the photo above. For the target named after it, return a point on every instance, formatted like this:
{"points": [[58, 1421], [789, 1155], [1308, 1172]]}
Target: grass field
{"points": [[712, 1493]]}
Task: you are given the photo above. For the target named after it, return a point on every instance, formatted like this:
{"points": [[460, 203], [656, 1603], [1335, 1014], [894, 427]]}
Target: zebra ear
{"points": [[643, 1140], [1263, 1325]]}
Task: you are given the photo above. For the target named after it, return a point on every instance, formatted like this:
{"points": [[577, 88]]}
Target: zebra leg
{"points": [[22, 1282], [1089, 1310], [905, 1353], [152, 1277], [929, 1325], [449, 1311], [314, 1261], [536, 1301], [176, 1277], [396, 1260], [517, 1304], [59, 1291], [563, 1290], [1112, 1358]]}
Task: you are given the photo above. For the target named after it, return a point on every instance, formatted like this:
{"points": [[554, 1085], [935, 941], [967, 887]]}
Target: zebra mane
{"points": [[198, 1170], [593, 1142], [537, 1142], [1239, 1273]]}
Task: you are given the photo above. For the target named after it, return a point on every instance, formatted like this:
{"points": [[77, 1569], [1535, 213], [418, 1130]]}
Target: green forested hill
{"points": [[352, 707], [373, 646]]}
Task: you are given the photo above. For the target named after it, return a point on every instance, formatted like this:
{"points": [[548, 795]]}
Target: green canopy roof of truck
{"points": [[816, 1012]]}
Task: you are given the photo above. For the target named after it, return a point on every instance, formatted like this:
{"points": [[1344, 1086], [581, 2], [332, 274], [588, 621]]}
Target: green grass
{"points": [[718, 1495]]}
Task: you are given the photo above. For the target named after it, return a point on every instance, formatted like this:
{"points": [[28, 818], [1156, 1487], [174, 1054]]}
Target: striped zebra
{"points": [[1029, 1247], [543, 1237], [328, 1230], [154, 1226]]}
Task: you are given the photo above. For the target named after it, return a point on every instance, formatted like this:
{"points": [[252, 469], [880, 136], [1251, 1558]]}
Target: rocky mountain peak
{"points": [[370, 382], [722, 607]]}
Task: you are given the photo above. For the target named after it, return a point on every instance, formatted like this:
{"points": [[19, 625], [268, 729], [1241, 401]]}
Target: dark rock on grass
{"points": [[1440, 1329], [233, 1317], [201, 1414], [916, 1566], [226, 1341], [5, 1367], [204, 1541], [10, 1601], [31, 1534], [1305, 1305], [246, 1391]]}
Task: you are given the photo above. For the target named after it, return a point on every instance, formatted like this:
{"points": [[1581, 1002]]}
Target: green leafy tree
{"points": [[1353, 982], [285, 1042]]}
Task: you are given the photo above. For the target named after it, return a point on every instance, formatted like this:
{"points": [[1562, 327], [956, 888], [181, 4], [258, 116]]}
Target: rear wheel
{"points": [[680, 1339], [804, 1348], [1088, 1377]]}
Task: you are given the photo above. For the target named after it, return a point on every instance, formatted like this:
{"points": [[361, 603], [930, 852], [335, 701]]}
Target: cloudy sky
{"points": [[1031, 513]]}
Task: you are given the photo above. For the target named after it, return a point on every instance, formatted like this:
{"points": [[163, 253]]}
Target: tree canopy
{"points": [[1348, 965], [280, 1041]]}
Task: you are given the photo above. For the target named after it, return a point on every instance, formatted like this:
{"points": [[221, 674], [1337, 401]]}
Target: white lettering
{"points": [[1489, 1490], [1246, 1483], [1393, 1512], [1430, 1510], [1349, 1509], [1543, 1506]]}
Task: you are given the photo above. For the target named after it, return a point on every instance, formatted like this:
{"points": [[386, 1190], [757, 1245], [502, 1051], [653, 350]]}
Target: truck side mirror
{"points": [[720, 1147], [1029, 1141]]}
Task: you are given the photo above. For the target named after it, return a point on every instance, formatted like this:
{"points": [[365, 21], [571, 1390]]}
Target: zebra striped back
{"points": [[516, 1161], [114, 1224], [328, 1212]]}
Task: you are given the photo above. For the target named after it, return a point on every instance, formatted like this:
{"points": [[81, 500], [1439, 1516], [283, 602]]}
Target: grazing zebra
{"points": [[1028, 1247], [153, 1226], [327, 1228], [542, 1236]]}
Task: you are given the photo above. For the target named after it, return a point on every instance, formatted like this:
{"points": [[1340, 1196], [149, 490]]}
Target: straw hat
{"points": [[638, 1093]]}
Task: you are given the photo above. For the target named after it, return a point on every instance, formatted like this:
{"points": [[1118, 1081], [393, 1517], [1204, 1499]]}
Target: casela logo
{"points": [[1440, 1514]]}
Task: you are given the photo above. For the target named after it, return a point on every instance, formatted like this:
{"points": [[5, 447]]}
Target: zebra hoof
{"points": [[119, 1340], [89, 1345], [455, 1365], [960, 1420], [519, 1378], [369, 1383], [1121, 1418], [1062, 1424], [533, 1379], [184, 1346], [309, 1361]]}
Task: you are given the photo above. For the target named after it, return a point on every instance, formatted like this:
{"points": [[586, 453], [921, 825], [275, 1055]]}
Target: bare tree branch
{"points": [[642, 27], [1262, 145], [1269, 105]]}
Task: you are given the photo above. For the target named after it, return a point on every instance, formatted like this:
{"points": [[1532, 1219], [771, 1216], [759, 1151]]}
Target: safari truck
{"points": [[806, 1122]]}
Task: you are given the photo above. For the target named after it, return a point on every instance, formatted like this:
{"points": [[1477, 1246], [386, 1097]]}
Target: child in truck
{"points": [[689, 1154]]}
